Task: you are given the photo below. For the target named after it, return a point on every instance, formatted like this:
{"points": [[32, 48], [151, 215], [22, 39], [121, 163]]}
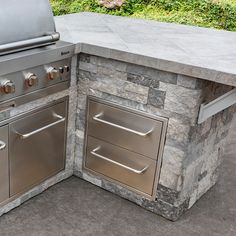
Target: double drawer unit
{"points": [[124, 146]]}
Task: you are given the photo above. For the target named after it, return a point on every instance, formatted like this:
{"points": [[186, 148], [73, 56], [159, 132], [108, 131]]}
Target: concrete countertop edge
{"points": [[86, 31], [156, 63]]}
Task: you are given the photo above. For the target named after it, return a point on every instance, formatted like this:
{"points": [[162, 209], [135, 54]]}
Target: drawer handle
{"points": [[27, 135], [94, 153], [98, 118], [2, 145]]}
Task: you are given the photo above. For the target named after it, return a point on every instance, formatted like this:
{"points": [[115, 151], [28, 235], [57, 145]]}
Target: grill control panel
{"points": [[33, 79]]}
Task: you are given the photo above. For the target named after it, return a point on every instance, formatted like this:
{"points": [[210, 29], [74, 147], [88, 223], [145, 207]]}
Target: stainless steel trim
{"points": [[219, 104], [2, 145], [27, 135], [139, 172], [97, 118]]}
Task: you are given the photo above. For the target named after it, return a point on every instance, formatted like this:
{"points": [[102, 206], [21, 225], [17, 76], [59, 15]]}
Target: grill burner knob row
{"points": [[53, 73], [31, 79], [7, 86]]}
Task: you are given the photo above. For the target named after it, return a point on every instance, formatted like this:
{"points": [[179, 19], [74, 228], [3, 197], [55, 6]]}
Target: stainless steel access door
{"points": [[4, 175], [37, 147]]}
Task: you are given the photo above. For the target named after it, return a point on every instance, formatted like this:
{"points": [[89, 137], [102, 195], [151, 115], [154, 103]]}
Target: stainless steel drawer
{"points": [[4, 175], [37, 147], [126, 167], [127, 129]]}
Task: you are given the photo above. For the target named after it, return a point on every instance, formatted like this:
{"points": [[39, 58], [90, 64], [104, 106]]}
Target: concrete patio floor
{"points": [[77, 208]]}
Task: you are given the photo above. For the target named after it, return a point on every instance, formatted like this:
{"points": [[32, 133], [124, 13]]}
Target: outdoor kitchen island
{"points": [[164, 70], [178, 82]]}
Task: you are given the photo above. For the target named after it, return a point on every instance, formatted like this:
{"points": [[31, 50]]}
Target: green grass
{"points": [[220, 14]]}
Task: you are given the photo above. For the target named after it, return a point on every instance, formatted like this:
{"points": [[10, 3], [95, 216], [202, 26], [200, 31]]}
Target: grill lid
{"points": [[26, 24]]}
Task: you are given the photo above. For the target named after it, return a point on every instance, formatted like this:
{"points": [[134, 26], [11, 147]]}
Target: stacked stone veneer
{"points": [[192, 152]]}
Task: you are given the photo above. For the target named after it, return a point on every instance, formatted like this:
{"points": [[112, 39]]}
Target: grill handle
{"points": [[139, 172], [142, 134], [27, 135], [29, 43], [2, 145]]}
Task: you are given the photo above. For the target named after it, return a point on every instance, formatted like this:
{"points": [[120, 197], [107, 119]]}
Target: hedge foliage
{"points": [[220, 14]]}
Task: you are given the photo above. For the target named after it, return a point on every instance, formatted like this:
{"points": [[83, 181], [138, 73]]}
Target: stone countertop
{"points": [[199, 52]]}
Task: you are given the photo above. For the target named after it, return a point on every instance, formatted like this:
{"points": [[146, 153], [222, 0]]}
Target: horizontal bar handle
{"points": [[61, 119], [29, 43], [139, 172], [99, 119], [2, 145]]}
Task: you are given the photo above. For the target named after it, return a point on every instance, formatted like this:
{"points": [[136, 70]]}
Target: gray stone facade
{"points": [[192, 153]]}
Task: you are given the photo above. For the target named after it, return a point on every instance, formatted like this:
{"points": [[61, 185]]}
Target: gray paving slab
{"points": [[199, 52]]}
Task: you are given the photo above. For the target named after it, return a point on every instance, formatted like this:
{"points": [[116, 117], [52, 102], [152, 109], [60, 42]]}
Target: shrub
{"points": [[220, 14]]}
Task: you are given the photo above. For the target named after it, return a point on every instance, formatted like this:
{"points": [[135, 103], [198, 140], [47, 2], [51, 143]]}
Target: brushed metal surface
{"points": [[126, 129], [31, 58], [98, 118], [95, 153], [41, 155], [18, 79], [61, 119], [4, 175], [9, 104], [142, 182], [25, 20]]}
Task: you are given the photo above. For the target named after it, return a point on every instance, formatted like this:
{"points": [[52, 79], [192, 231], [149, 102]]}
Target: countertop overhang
{"points": [[203, 53]]}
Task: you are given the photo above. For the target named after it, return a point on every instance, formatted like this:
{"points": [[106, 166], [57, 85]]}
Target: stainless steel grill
{"points": [[32, 145]]}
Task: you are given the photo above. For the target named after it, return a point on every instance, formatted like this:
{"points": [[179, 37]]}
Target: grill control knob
{"points": [[7, 86], [53, 73], [67, 69], [61, 70], [31, 79]]}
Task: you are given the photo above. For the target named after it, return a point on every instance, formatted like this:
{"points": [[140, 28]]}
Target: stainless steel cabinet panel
{"points": [[4, 175], [126, 129], [128, 168], [37, 147]]}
